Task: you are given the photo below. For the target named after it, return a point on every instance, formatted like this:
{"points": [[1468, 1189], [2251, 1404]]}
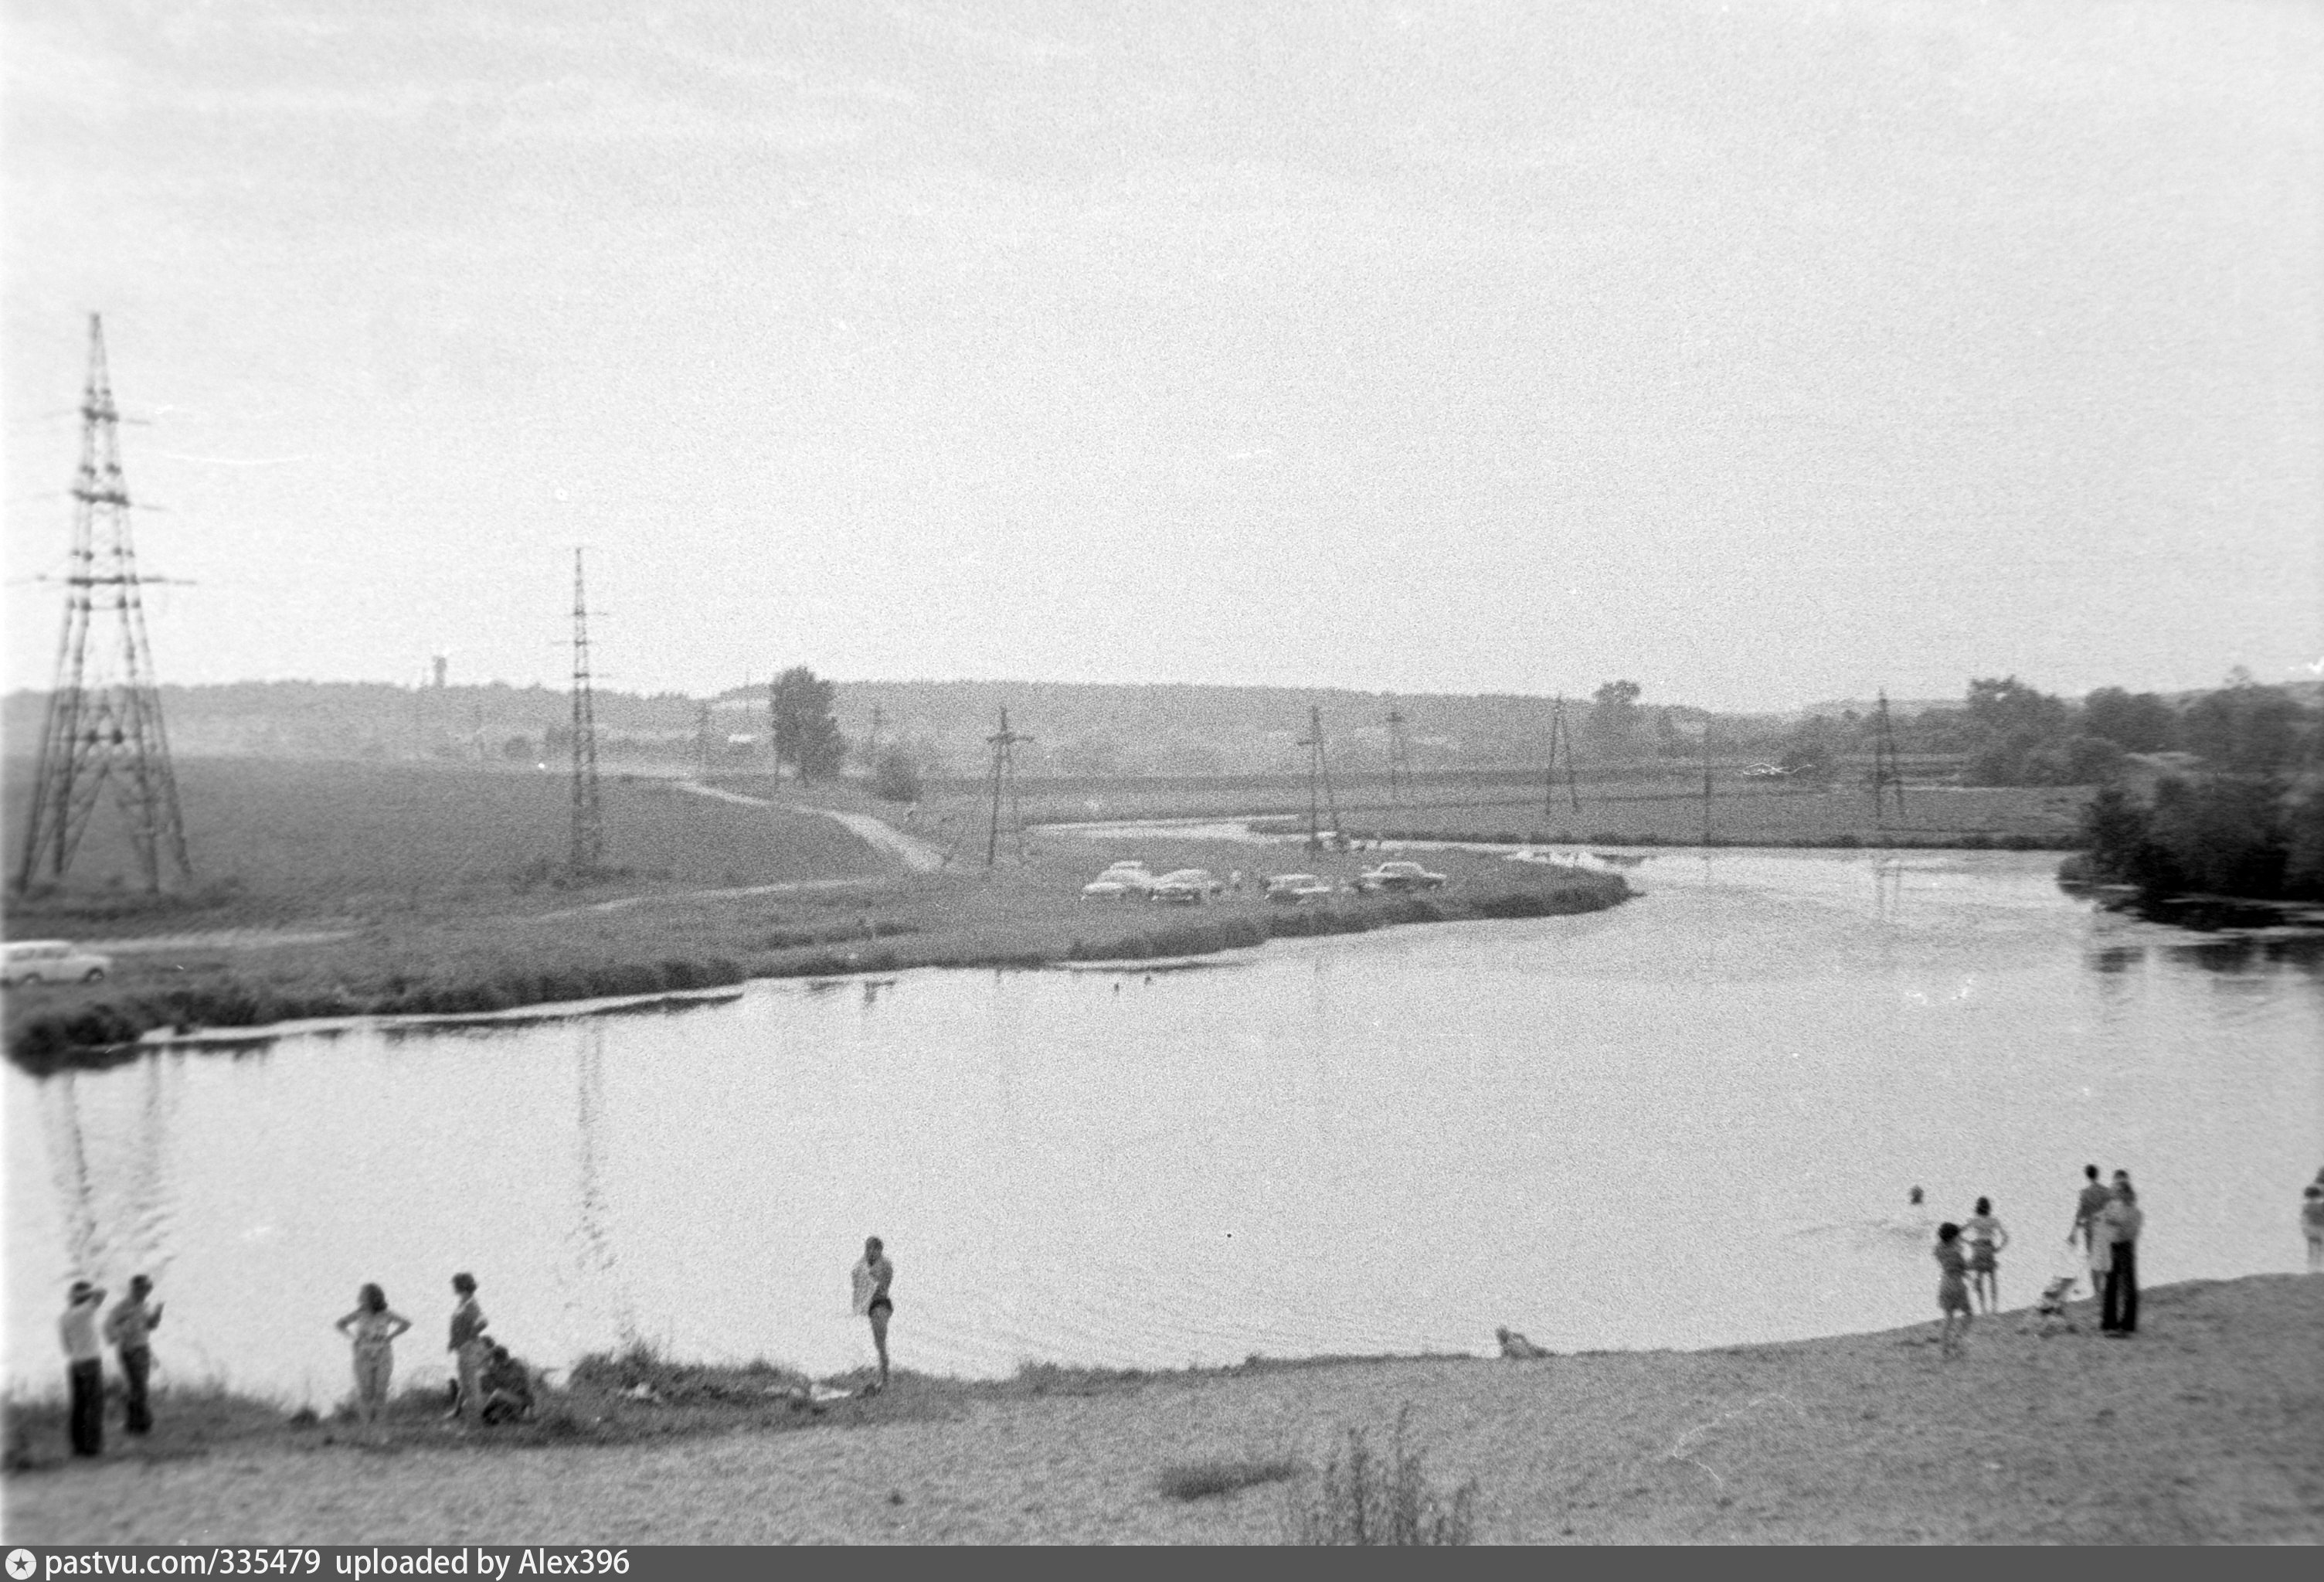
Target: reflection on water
{"points": [[1688, 1120]]}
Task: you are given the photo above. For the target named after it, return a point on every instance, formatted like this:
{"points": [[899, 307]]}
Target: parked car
{"points": [[1124, 881], [1399, 875], [1297, 889], [52, 961], [1188, 884]]}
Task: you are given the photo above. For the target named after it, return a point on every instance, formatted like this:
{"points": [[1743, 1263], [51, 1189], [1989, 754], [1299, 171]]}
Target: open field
{"points": [[2207, 1427], [450, 939], [283, 841], [1631, 806]]}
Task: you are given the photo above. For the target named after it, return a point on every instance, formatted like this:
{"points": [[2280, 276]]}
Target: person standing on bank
{"points": [[468, 1345], [872, 1277], [2119, 1224], [2087, 1208], [85, 1366], [1986, 1238], [373, 1326], [128, 1326]]}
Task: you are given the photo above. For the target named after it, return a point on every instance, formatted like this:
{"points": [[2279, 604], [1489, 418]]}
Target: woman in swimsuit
{"points": [[1952, 1288], [1986, 1238], [872, 1277], [373, 1326]]}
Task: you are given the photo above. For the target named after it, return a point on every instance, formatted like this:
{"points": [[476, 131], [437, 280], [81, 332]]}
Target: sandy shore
{"points": [[2206, 1427]]}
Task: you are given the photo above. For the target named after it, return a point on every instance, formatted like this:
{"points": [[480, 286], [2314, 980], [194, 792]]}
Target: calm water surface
{"points": [[1690, 1121]]}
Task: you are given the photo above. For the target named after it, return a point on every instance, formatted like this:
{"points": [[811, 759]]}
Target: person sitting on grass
{"points": [[1952, 1288], [507, 1386]]}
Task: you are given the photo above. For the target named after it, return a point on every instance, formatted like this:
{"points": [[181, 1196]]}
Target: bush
{"points": [[1363, 1500], [1196, 1480]]}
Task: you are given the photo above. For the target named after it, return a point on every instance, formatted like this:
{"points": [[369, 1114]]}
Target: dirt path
{"points": [[915, 854], [2206, 1427]]}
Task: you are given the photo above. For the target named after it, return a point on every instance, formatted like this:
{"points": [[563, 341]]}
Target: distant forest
{"points": [[2001, 732]]}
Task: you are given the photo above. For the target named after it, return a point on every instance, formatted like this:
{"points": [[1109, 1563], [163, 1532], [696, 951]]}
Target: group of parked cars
{"points": [[1131, 880]]}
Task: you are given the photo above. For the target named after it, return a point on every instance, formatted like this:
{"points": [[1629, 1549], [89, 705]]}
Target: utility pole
{"points": [[1561, 740], [1319, 782], [872, 747], [588, 816], [702, 741], [1886, 772], [1004, 742], [104, 717], [1399, 764], [1706, 779]]}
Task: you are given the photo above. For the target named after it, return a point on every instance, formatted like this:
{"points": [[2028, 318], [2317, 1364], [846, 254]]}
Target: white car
{"points": [[1296, 889], [1188, 884], [1399, 875], [1121, 882], [52, 961]]}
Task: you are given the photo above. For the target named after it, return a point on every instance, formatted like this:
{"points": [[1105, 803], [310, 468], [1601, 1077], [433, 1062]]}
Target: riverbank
{"points": [[2206, 1427], [449, 958]]}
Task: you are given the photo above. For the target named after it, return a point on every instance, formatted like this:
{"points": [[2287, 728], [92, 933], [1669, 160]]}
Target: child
{"points": [[468, 1346], [373, 1326], [1952, 1288], [508, 1386], [2312, 1220]]}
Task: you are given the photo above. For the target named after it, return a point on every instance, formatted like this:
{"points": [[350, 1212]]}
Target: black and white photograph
{"points": [[1165, 773]]}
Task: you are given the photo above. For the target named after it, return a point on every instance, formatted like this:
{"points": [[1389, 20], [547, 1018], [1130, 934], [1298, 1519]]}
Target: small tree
{"points": [[1612, 726], [896, 778], [805, 731]]}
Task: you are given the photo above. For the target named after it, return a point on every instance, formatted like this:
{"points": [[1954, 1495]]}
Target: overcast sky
{"points": [[1758, 352]]}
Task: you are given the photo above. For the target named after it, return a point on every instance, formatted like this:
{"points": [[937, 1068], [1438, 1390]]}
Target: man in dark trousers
{"points": [[128, 1326], [85, 1366]]}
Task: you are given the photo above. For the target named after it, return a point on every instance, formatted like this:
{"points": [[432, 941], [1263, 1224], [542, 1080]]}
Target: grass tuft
{"points": [[1364, 1500]]}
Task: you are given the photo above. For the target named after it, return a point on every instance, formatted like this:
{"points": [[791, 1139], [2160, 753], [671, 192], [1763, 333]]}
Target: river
{"points": [[1693, 1120]]}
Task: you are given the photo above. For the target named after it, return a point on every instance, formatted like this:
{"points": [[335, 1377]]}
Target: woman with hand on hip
{"points": [[373, 1326]]}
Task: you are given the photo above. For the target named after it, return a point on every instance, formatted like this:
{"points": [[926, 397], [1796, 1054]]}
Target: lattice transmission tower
{"points": [[1399, 768], [1004, 744], [1561, 746], [1319, 785], [588, 813], [104, 722], [1887, 776]]}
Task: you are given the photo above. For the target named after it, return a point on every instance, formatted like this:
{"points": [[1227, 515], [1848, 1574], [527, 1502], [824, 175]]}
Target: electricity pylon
{"points": [[1887, 774], [1399, 765], [1004, 744], [105, 714], [588, 814], [1561, 740], [1319, 784]]}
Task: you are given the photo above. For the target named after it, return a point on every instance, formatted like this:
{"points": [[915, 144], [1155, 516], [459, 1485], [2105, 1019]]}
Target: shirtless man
{"points": [[872, 1277]]}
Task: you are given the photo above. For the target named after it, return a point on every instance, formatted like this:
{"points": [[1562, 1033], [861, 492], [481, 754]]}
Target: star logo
{"points": [[20, 1564]]}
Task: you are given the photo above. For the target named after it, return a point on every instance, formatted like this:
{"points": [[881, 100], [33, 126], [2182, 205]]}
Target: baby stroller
{"points": [[2050, 1311]]}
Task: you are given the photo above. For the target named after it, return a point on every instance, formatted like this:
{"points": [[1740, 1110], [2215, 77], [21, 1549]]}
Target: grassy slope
{"points": [[2207, 1427]]}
